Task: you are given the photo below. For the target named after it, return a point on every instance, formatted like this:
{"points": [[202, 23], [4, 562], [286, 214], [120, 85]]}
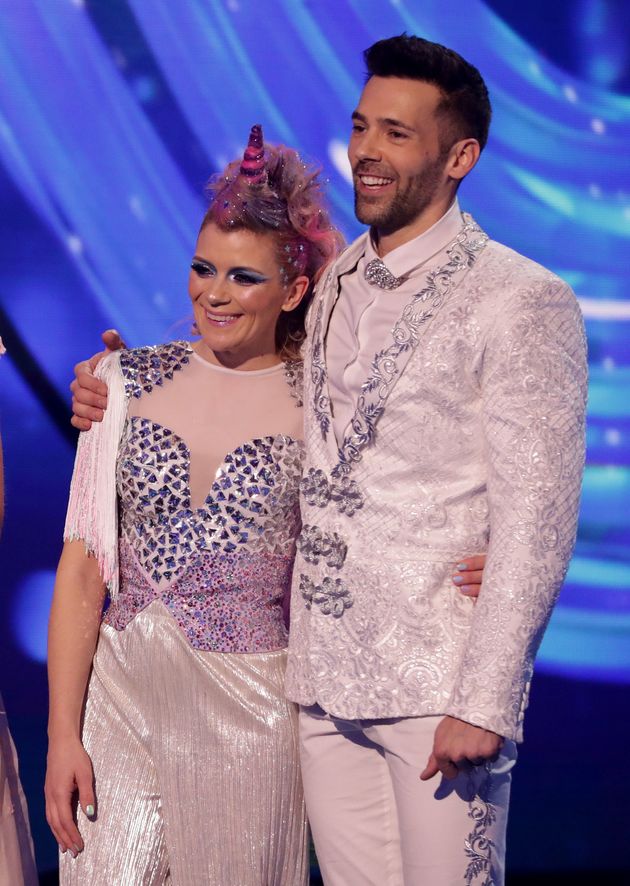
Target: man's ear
{"points": [[462, 158]]}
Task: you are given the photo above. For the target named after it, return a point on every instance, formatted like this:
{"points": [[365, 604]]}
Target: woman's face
{"points": [[238, 294]]}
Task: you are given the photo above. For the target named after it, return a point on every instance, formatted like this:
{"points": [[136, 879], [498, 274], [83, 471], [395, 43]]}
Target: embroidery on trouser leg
{"points": [[479, 847]]}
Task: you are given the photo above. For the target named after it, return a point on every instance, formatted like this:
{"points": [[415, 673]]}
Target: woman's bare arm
{"points": [[75, 617]]}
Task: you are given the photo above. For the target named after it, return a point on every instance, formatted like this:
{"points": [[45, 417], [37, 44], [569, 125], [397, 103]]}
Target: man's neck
{"points": [[384, 243]]}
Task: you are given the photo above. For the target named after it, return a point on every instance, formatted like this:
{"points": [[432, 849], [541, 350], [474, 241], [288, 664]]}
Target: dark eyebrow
{"points": [[390, 121], [385, 121], [204, 261]]}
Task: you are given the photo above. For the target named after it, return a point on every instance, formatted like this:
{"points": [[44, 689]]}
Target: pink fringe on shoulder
{"points": [[92, 507]]}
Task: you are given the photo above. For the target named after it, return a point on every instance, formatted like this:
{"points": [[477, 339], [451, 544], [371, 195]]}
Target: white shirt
{"points": [[364, 314]]}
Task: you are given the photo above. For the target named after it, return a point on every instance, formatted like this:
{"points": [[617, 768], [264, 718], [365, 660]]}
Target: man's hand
{"points": [[469, 575], [458, 745], [89, 395]]}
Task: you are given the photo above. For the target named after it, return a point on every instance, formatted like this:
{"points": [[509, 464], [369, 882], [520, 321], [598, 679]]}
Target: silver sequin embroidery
{"points": [[321, 401], [332, 596], [377, 274], [314, 543], [478, 845], [387, 364], [294, 374], [341, 490], [314, 487]]}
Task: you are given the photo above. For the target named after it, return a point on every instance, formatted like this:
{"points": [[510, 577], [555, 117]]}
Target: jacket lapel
{"points": [[389, 363], [325, 300]]}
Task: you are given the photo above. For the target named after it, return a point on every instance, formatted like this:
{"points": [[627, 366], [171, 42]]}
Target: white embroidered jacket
{"points": [[468, 435]]}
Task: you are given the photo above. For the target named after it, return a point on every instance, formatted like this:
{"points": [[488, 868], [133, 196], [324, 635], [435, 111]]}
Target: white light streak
{"points": [[605, 309], [337, 151]]}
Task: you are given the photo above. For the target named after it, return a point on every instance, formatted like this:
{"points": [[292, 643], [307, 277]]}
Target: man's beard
{"points": [[405, 206]]}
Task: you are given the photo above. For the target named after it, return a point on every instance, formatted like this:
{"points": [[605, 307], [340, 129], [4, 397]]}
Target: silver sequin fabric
{"points": [[470, 439]]}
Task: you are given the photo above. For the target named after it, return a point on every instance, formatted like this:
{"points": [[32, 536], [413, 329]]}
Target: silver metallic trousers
{"points": [[195, 763]]}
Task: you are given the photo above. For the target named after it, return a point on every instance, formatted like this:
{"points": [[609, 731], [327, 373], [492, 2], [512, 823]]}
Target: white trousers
{"points": [[375, 823]]}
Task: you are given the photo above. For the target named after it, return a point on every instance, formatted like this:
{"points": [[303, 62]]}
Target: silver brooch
{"points": [[378, 275]]}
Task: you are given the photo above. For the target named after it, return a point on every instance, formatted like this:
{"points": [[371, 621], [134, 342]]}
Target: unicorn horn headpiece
{"points": [[253, 164]]}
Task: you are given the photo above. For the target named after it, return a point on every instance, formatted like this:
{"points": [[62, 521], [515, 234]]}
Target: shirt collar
{"points": [[416, 252]]}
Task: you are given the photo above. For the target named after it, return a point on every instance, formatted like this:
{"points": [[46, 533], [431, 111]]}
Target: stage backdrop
{"points": [[113, 114]]}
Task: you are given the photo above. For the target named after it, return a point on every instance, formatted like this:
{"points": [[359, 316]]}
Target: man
{"points": [[444, 409]]}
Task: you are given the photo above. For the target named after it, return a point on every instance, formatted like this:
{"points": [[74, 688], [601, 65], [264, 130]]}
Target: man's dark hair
{"points": [[465, 102]]}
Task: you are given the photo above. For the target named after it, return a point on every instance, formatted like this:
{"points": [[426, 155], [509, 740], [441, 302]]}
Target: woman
{"points": [[17, 862], [187, 736]]}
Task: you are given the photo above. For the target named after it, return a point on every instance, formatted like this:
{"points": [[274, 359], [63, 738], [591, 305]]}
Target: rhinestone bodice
{"points": [[252, 502], [224, 568]]}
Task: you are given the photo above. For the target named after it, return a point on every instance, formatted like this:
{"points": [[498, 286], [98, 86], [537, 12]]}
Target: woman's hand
{"points": [[69, 769], [469, 575]]}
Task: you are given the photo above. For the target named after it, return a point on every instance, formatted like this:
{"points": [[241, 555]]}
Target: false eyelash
{"points": [[201, 268]]}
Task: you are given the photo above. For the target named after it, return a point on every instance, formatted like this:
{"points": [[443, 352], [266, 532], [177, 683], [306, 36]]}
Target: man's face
{"points": [[395, 153]]}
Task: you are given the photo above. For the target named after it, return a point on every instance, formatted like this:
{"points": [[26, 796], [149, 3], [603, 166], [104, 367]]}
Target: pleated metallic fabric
{"points": [[195, 762], [17, 861]]}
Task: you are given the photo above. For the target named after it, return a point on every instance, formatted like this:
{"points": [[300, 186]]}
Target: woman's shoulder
{"points": [[148, 367]]}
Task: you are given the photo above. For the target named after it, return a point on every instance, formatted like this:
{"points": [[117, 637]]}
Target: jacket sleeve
{"points": [[533, 390], [92, 505]]}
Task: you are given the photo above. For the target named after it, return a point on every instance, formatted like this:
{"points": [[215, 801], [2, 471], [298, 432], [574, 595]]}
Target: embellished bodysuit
{"points": [[208, 498]]}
